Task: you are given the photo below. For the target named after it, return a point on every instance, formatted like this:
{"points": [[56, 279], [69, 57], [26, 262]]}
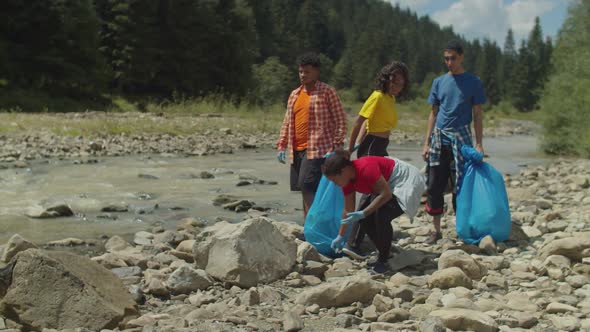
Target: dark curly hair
{"points": [[334, 164], [309, 58], [388, 74]]}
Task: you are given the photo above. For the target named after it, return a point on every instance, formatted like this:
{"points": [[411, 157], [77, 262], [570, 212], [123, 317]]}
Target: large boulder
{"points": [[60, 290], [571, 247], [462, 260], [466, 320], [245, 254], [449, 278], [15, 245], [341, 292]]}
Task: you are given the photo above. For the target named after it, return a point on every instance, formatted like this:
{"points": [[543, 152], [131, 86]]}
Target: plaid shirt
{"points": [[327, 122], [459, 137]]}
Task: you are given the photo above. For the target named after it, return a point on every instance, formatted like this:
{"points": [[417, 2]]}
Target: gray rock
{"points": [[432, 324], [57, 211], [462, 260], [449, 278], [272, 296], [347, 320], [370, 313], [15, 244], [250, 297], [186, 280], [314, 268], [577, 280], [383, 303], [306, 252], [115, 208], [127, 272], [292, 322], [566, 323], [524, 320], [465, 319], [572, 247], [557, 308], [341, 292], [394, 316], [245, 254], [70, 291]]}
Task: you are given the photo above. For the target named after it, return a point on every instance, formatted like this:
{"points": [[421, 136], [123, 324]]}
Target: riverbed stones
{"points": [[186, 280], [449, 278], [56, 211], [571, 247], [341, 292], [458, 258], [70, 291], [15, 244], [465, 319], [246, 254]]}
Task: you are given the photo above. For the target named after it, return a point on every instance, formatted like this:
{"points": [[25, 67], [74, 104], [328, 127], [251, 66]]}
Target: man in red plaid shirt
{"points": [[314, 124]]}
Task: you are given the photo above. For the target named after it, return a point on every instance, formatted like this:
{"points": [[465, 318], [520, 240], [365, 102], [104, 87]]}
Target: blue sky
{"points": [[492, 18]]}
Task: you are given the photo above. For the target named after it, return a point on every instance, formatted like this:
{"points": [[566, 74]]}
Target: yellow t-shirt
{"points": [[380, 111]]}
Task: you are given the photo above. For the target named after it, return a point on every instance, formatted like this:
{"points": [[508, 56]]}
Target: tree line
{"points": [[243, 49]]}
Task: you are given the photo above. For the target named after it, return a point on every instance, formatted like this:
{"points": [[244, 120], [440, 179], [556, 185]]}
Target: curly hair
{"points": [[334, 164], [310, 58], [388, 74]]}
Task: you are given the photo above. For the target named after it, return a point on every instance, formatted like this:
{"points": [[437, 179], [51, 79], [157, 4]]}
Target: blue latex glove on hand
{"points": [[281, 157], [356, 147], [337, 243], [329, 154], [352, 217]]}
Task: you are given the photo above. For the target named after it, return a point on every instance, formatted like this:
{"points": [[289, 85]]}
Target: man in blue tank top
{"points": [[456, 98]]}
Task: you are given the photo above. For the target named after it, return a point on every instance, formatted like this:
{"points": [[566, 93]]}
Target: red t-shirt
{"points": [[368, 170]]}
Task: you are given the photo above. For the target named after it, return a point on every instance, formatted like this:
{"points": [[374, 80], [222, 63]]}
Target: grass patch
{"points": [[206, 115]]}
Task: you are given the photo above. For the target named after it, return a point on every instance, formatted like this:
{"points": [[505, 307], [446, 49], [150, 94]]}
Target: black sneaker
{"points": [[353, 252], [434, 237], [380, 267]]}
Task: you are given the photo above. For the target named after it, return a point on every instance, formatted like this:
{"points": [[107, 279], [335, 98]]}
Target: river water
{"points": [[178, 192]]}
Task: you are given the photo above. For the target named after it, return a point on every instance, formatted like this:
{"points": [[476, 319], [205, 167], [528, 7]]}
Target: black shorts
{"points": [[373, 146], [305, 173]]}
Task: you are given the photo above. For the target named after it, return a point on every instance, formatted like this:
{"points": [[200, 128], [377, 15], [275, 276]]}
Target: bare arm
{"points": [[362, 133], [384, 194], [356, 129], [478, 125], [349, 206], [431, 121]]}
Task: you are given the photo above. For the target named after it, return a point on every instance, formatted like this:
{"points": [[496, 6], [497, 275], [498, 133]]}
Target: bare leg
{"points": [[307, 200], [436, 223]]}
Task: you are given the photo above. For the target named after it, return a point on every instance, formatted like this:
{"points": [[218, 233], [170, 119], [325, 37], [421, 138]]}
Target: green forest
{"points": [[63, 55], [244, 49]]}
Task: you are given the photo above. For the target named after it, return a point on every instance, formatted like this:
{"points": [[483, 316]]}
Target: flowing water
{"points": [[177, 192]]}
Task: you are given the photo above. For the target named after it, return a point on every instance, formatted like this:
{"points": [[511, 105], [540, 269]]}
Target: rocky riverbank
{"points": [[258, 276], [212, 134]]}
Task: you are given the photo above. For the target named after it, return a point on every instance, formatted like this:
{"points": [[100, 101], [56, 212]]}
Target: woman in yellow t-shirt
{"points": [[374, 123], [379, 115]]}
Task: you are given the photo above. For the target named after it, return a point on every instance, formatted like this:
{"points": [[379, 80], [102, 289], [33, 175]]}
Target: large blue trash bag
{"points": [[482, 202], [323, 218]]}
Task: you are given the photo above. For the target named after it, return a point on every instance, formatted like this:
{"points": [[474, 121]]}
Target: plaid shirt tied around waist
{"points": [[458, 137], [326, 126]]}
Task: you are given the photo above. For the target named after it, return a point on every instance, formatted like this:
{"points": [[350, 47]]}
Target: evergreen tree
{"points": [[508, 64], [521, 95]]}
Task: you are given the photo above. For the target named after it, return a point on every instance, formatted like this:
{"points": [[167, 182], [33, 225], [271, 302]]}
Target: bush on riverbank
{"points": [[565, 102]]}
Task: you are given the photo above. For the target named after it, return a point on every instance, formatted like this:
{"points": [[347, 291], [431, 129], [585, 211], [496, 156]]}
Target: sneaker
{"points": [[380, 267], [434, 237], [353, 252]]}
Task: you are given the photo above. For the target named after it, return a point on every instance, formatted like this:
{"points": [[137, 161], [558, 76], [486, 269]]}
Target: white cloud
{"points": [[522, 14], [493, 18]]}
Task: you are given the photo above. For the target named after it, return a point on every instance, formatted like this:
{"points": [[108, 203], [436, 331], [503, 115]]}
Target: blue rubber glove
{"points": [[329, 154], [352, 217], [356, 147], [337, 243], [281, 157]]}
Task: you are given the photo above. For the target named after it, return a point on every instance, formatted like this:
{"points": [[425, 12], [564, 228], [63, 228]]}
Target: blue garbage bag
{"points": [[323, 218], [482, 202]]}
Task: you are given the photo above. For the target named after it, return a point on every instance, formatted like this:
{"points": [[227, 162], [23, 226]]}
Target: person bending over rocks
{"points": [[392, 187]]}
